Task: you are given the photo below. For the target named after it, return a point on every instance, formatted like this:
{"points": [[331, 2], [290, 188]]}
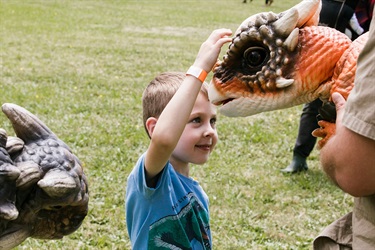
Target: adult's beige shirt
{"points": [[360, 117], [356, 230]]}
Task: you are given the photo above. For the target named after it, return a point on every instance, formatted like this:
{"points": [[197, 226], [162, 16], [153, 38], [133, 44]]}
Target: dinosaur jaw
{"points": [[239, 105]]}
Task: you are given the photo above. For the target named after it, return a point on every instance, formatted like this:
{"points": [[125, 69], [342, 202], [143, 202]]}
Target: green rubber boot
{"points": [[298, 164]]}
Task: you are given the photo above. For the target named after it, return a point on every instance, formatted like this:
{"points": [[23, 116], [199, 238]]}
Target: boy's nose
{"points": [[209, 131]]}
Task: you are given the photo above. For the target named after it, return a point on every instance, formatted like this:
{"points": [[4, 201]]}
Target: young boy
{"points": [[165, 208]]}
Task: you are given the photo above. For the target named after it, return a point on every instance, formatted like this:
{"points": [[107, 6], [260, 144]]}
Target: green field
{"points": [[81, 67]]}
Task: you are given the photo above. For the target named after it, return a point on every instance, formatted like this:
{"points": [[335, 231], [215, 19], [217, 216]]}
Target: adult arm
{"points": [[349, 158]]}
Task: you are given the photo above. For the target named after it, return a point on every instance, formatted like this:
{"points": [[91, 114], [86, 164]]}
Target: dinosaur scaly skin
{"points": [[8, 175], [277, 61], [43, 189]]}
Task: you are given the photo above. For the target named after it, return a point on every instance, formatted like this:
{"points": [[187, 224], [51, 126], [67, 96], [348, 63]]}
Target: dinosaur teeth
{"points": [[282, 82]]}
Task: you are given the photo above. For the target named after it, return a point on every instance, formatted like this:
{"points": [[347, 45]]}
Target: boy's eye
{"points": [[196, 120], [213, 121]]}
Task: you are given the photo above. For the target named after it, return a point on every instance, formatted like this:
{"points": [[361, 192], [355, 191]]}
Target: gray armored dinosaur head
{"points": [[47, 180]]}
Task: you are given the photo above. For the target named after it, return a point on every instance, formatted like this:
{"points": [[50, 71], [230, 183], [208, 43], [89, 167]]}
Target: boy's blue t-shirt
{"points": [[174, 215]]}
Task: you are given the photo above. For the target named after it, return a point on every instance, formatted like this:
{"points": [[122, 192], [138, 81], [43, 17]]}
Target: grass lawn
{"points": [[81, 67]]}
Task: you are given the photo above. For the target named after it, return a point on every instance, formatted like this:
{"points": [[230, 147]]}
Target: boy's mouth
{"points": [[205, 147]]}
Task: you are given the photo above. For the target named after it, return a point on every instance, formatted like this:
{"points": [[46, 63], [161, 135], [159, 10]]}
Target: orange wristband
{"points": [[198, 73]]}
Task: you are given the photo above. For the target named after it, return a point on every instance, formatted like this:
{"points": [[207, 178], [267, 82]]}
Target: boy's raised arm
{"points": [[168, 128]]}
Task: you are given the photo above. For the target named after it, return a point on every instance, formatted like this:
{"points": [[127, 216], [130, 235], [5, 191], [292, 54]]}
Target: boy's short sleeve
{"points": [[137, 179]]}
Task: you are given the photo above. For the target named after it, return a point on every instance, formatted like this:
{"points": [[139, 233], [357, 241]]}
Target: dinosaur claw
{"points": [[325, 132]]}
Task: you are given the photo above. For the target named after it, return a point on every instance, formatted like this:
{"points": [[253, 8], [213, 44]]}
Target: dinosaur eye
{"points": [[255, 56]]}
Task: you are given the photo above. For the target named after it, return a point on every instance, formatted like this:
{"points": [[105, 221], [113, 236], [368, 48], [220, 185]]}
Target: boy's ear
{"points": [[150, 125]]}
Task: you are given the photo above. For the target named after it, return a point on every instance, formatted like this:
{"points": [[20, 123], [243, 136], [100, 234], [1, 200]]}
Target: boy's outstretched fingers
{"points": [[221, 35], [210, 49]]}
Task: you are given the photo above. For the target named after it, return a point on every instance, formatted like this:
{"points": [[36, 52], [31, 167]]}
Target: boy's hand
{"points": [[210, 49]]}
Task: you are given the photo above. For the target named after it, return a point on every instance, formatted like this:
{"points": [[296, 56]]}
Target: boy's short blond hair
{"points": [[160, 91]]}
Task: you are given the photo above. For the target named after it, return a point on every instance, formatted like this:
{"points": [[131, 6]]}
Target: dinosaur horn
{"points": [[287, 23], [308, 12], [26, 125]]}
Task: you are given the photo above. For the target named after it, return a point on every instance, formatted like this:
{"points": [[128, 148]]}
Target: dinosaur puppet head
{"points": [[277, 61]]}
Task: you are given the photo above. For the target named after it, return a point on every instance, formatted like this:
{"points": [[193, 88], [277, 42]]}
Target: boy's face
{"points": [[199, 136]]}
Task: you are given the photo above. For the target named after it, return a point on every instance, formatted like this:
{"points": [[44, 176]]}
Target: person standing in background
{"points": [[364, 13]]}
